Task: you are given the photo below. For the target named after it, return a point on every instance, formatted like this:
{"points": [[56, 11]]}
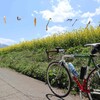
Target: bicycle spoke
{"points": [[94, 85], [58, 80]]}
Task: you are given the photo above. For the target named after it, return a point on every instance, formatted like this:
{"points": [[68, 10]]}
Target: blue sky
{"points": [[14, 31]]}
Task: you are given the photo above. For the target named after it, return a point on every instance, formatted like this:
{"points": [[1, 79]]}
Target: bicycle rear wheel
{"points": [[93, 84], [58, 79]]}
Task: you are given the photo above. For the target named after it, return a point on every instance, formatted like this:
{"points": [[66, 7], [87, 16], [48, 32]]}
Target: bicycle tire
{"points": [[58, 79], [93, 84]]}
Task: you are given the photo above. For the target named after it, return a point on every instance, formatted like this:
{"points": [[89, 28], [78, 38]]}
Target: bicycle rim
{"points": [[58, 79], [93, 85]]}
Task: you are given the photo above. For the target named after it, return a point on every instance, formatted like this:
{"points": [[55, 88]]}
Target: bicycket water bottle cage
{"points": [[96, 49]]}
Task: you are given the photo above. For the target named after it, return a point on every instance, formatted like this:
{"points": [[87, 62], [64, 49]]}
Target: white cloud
{"points": [[97, 1], [56, 29], [34, 12], [60, 12], [7, 41], [88, 16], [97, 12], [79, 6], [22, 39], [85, 21], [52, 1]]}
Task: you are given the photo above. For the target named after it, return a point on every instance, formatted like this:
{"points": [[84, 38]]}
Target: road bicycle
{"points": [[59, 76]]}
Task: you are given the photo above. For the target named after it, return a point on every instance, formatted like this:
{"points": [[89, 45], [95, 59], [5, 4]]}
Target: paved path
{"points": [[15, 86]]}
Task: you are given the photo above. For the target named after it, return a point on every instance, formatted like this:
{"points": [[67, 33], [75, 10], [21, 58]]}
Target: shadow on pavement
{"points": [[53, 97]]}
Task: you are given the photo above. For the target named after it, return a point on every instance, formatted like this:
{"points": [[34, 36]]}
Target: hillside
{"points": [[3, 45], [30, 58]]}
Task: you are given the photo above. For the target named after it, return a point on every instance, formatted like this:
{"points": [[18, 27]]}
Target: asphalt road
{"points": [[15, 86]]}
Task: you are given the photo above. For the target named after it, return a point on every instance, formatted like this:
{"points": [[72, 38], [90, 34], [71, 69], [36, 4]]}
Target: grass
{"points": [[65, 40], [29, 57]]}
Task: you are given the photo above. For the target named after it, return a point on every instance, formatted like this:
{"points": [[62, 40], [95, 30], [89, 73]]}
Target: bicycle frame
{"points": [[85, 84], [82, 86]]}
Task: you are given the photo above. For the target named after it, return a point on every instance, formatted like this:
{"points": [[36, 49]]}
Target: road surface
{"points": [[15, 86]]}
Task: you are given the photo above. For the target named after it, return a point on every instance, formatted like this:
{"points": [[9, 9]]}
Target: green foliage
{"points": [[29, 57], [65, 40], [25, 62]]}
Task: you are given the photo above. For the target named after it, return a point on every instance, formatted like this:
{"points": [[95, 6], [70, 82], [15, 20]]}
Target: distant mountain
{"points": [[3, 45]]}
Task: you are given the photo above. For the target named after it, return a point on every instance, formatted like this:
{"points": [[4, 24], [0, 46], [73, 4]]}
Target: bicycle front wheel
{"points": [[93, 84], [58, 79]]}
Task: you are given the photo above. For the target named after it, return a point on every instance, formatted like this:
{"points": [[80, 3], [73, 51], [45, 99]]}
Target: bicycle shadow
{"points": [[53, 97]]}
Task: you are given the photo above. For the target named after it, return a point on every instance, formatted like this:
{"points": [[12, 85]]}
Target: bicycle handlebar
{"points": [[56, 50]]}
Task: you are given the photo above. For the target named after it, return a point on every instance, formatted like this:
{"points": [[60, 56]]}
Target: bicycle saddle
{"points": [[95, 49], [93, 44]]}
